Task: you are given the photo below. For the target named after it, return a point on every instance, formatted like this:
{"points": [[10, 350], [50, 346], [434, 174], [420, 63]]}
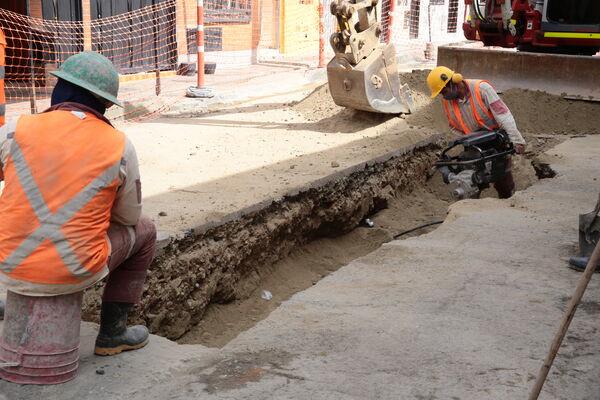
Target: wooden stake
{"points": [[564, 326]]}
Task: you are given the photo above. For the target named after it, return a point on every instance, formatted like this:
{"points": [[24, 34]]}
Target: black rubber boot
{"points": [[114, 335], [1, 310], [579, 264]]}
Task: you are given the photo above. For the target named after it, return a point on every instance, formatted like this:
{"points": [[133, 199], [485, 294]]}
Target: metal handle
{"points": [[475, 161], [9, 364]]}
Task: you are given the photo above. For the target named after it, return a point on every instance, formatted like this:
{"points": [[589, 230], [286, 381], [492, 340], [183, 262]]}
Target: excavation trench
{"points": [[206, 287]]}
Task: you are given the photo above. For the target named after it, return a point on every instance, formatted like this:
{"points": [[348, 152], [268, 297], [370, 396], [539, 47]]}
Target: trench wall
{"points": [[224, 263]]}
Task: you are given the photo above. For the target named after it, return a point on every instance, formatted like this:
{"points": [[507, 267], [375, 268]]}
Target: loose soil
{"points": [[207, 287], [307, 264]]}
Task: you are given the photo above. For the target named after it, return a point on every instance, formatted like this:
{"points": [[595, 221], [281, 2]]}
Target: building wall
{"points": [[299, 29], [262, 31], [269, 21], [182, 11]]}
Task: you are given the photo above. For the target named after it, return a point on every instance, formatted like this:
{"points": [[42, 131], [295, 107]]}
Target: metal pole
{"points": [[564, 326], [321, 35], [185, 22], [282, 27], [32, 97], [200, 91], [388, 38], [155, 34], [255, 29], [200, 43]]}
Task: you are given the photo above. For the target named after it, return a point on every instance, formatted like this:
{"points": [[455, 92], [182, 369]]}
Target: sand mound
{"points": [[318, 105], [544, 113], [535, 112], [325, 116]]}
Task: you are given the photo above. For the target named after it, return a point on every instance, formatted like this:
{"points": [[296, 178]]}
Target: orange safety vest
{"points": [[2, 73], [482, 115], [61, 180]]}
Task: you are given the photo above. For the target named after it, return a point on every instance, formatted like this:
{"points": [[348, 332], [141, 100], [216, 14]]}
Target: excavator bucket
{"points": [[573, 77], [371, 85], [363, 73]]}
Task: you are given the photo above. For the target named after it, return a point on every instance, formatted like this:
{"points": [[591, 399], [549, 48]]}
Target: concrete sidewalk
{"points": [[465, 312]]}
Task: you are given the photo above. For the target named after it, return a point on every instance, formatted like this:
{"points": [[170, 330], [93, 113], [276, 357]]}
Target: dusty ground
{"points": [[310, 263], [273, 151], [267, 150], [271, 146], [411, 320]]}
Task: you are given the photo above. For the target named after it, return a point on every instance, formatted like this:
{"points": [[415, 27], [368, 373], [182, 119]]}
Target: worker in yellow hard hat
{"points": [[473, 105]]}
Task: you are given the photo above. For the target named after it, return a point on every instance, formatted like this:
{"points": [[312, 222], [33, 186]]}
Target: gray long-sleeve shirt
{"points": [[499, 110]]}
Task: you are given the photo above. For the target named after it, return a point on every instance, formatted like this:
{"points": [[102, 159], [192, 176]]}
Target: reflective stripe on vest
{"points": [[2, 96], [51, 223], [483, 116], [61, 181]]}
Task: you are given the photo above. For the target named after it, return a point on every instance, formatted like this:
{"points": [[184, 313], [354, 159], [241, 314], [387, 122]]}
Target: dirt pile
{"points": [[319, 107], [428, 114], [543, 113], [535, 112]]}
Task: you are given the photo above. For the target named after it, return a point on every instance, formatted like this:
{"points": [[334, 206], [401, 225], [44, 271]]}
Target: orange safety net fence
{"points": [[136, 42], [420, 26], [151, 45]]}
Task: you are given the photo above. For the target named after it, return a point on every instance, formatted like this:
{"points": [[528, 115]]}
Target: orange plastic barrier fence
{"points": [[154, 48], [2, 71], [419, 26]]}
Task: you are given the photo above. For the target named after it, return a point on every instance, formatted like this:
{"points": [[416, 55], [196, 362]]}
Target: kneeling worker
{"points": [[71, 207], [472, 106]]}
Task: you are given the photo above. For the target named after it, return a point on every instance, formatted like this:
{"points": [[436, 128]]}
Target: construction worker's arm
{"points": [[127, 207], [502, 115], [6, 133]]}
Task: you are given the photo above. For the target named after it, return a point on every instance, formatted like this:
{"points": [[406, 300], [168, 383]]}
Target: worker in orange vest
{"points": [[2, 72], [71, 207], [474, 105]]}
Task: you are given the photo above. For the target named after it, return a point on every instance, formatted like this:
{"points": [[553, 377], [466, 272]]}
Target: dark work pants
{"points": [[506, 185], [128, 268]]}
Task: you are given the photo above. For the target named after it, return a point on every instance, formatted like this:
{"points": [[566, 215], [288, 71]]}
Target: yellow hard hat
{"points": [[439, 77]]}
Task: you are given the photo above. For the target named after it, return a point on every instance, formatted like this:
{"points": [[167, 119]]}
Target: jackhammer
{"points": [[482, 161]]}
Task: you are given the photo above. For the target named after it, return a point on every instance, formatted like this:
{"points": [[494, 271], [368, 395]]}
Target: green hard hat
{"points": [[91, 71]]}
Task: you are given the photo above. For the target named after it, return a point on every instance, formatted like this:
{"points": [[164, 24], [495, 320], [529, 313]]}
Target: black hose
{"points": [[417, 228], [477, 11]]}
